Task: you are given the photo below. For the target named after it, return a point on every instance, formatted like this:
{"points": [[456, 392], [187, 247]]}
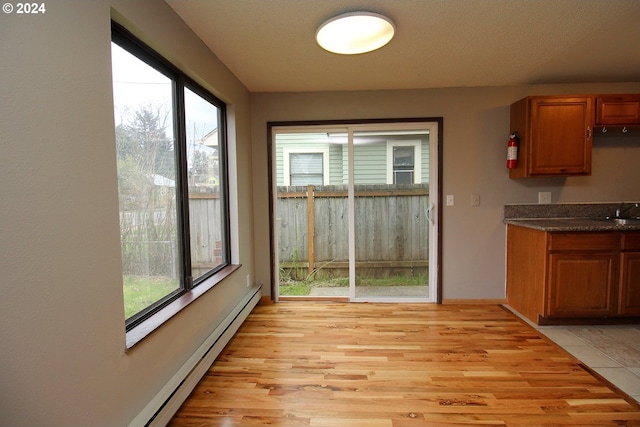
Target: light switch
{"points": [[450, 200], [475, 200]]}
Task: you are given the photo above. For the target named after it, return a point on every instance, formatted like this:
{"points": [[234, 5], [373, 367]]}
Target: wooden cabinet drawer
{"points": [[618, 110], [583, 241], [631, 241]]}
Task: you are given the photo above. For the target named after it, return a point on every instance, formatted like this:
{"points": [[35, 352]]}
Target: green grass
{"points": [[295, 288], [303, 287], [142, 291]]}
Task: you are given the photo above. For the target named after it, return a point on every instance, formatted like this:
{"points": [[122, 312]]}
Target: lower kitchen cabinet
{"points": [[581, 284], [630, 275], [582, 274], [565, 277]]}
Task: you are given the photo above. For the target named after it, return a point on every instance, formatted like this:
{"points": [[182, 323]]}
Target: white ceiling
{"points": [[270, 44]]}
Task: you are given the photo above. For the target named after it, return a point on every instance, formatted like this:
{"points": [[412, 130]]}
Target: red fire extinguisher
{"points": [[512, 151]]}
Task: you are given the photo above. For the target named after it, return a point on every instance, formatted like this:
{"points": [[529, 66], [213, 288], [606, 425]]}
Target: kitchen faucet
{"points": [[620, 211]]}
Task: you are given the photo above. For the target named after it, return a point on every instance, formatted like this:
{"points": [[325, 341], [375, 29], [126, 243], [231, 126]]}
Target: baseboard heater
{"points": [[164, 405]]}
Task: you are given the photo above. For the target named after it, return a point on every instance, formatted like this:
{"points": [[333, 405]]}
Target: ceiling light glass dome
{"points": [[355, 32]]}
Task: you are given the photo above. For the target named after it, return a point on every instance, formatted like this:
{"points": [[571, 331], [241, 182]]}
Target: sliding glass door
{"points": [[311, 213], [354, 211], [391, 202]]}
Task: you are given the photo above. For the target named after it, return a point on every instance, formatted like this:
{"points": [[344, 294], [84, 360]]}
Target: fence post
{"points": [[310, 227]]}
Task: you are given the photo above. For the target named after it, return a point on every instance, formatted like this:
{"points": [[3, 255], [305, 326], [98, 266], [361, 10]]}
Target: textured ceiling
{"points": [[270, 46]]}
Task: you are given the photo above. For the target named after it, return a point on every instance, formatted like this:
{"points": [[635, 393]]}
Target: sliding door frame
{"points": [[355, 123]]}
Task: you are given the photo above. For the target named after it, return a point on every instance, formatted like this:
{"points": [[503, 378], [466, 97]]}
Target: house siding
{"points": [[284, 141], [370, 159]]}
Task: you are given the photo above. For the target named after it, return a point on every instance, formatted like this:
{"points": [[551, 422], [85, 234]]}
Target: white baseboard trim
{"points": [[164, 405]]}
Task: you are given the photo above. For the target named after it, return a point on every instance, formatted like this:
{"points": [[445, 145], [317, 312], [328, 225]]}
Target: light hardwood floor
{"points": [[324, 364]]}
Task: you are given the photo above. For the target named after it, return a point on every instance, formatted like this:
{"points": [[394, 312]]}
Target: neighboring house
{"points": [[211, 139], [322, 159], [204, 160], [161, 181]]}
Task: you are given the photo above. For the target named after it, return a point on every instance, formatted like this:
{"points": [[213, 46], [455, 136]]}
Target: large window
{"points": [[172, 180]]}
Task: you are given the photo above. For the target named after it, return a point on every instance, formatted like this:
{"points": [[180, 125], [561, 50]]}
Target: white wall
{"points": [[476, 130], [62, 339]]}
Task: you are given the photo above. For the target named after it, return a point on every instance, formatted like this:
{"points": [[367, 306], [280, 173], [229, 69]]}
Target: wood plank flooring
{"points": [[323, 364]]}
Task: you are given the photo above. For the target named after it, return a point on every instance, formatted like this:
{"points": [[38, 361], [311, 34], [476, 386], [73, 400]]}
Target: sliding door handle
{"points": [[430, 214]]}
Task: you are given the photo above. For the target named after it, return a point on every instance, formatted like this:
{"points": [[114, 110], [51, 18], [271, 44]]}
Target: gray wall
{"points": [[62, 351], [476, 130]]}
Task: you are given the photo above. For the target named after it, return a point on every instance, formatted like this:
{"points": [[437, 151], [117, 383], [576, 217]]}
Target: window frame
{"points": [[417, 159], [145, 321], [401, 169], [286, 159]]}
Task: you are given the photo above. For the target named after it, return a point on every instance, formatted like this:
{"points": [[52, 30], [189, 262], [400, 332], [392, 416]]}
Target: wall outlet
{"points": [[544, 197], [248, 280], [450, 200]]}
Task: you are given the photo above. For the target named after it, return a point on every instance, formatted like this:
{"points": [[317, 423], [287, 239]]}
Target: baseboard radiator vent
{"points": [[164, 405]]}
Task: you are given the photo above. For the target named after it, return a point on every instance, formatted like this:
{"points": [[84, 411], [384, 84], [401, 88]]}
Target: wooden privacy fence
{"points": [[148, 239], [205, 221], [391, 229]]}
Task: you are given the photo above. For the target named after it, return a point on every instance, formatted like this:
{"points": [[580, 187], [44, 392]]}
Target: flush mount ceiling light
{"points": [[355, 32]]}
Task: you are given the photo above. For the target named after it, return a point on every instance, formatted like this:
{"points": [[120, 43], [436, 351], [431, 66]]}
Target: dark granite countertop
{"points": [[572, 216], [571, 224]]}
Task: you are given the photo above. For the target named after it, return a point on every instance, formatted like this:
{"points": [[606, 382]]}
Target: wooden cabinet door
{"points": [[618, 110], [582, 284], [630, 274], [630, 283], [561, 136]]}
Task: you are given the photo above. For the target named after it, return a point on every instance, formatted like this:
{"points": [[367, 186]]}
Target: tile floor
{"points": [[613, 351]]}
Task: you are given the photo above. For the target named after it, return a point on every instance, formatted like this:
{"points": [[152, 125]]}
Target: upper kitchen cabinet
{"points": [[556, 135], [618, 111]]}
